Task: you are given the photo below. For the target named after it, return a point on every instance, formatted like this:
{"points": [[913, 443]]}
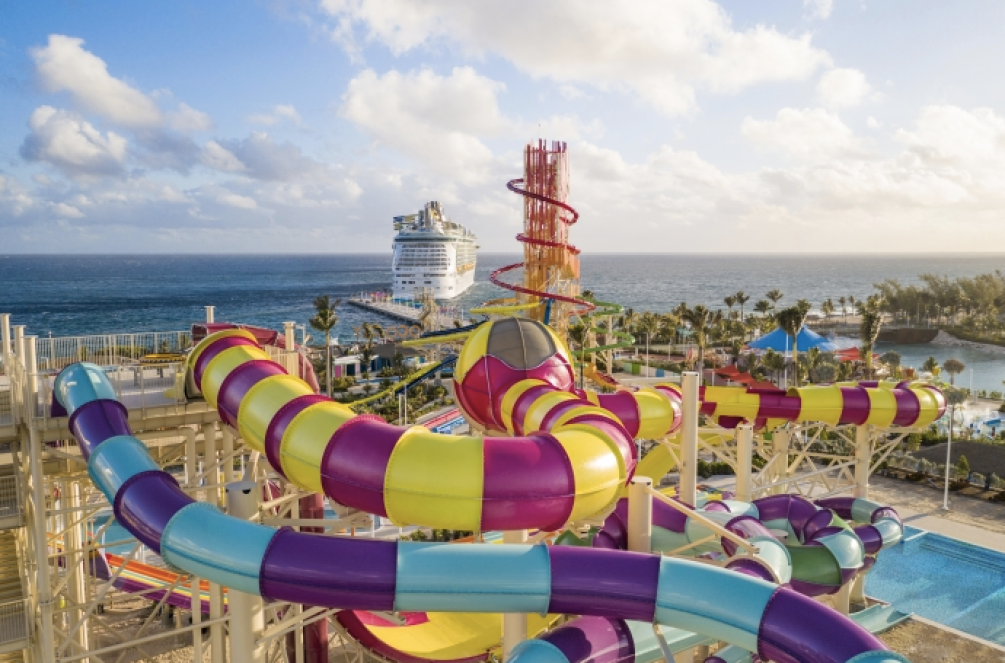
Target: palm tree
{"points": [[791, 321], [325, 320], [892, 359], [371, 330], [741, 299], [647, 325], [774, 362], [762, 306], [774, 295], [699, 317], [871, 312], [827, 308], [844, 312], [953, 367], [730, 301], [930, 365]]}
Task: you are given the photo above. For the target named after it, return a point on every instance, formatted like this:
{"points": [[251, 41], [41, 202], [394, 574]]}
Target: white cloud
{"points": [[260, 157], [842, 88], [949, 135], [819, 8], [187, 119], [570, 92], [872, 123], [235, 200], [279, 113], [218, 157], [64, 65], [67, 211], [811, 134], [662, 51], [436, 120], [71, 144]]}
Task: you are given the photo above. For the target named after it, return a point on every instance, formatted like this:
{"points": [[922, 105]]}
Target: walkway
{"points": [[974, 521]]}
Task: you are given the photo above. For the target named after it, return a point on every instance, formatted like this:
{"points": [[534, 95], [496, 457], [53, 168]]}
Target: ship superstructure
{"points": [[432, 252]]}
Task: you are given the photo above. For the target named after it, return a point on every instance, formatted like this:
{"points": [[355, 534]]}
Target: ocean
{"points": [[93, 294]]}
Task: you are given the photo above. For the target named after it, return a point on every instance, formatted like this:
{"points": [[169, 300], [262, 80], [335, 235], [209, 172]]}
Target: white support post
{"points": [[858, 588], [290, 334], [215, 591], [19, 355], [210, 314], [780, 442], [31, 366], [842, 599], [863, 459], [43, 589], [247, 614], [227, 435], [75, 562], [688, 488], [19, 341], [195, 605], [191, 461], [744, 462], [5, 341], [640, 515], [514, 624]]}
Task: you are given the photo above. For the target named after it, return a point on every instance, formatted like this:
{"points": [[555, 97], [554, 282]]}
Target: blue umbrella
{"points": [[779, 341]]}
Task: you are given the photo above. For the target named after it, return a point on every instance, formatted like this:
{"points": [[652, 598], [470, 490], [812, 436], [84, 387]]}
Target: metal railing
{"points": [[10, 497], [137, 386], [6, 401], [108, 349], [14, 622]]}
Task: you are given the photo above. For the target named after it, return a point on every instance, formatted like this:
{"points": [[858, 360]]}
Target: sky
{"points": [[304, 126]]}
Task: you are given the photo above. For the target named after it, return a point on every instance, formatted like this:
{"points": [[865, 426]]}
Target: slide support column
{"points": [[688, 488], [780, 441], [5, 341], [514, 623], [216, 638], [247, 615], [863, 459], [43, 588], [75, 561], [210, 314], [744, 462], [640, 515]]}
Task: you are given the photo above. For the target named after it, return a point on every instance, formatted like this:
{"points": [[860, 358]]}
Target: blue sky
{"points": [[694, 126]]}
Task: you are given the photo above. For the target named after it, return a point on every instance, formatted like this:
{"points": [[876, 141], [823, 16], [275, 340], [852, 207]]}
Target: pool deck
{"points": [[922, 508]]}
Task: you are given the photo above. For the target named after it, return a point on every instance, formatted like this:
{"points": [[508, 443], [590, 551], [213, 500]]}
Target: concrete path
{"points": [[974, 521]]}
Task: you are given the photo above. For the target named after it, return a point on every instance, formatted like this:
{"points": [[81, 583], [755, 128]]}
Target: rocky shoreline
{"points": [[947, 339]]}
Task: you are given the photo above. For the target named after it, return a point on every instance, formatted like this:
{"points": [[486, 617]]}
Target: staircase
{"points": [[14, 631]]}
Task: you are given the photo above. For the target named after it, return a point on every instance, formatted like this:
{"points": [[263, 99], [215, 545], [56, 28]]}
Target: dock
{"points": [[406, 313]]}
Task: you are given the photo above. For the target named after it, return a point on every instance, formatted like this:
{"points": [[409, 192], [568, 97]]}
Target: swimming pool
{"points": [[946, 580]]}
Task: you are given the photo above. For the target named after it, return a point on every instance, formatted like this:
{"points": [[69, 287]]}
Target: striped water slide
{"points": [[376, 575]]}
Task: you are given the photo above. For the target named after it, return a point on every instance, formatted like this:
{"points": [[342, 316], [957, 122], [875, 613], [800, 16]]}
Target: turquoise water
{"points": [[945, 580], [74, 294], [988, 366]]}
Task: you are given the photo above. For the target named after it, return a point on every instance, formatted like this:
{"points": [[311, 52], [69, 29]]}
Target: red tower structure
{"points": [[551, 263]]}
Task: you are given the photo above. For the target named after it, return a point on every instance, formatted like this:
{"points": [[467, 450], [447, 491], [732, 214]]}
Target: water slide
{"points": [[569, 467], [153, 582], [407, 382]]}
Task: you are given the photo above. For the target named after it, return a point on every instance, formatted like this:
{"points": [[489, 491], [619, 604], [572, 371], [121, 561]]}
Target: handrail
{"points": [[712, 525]]}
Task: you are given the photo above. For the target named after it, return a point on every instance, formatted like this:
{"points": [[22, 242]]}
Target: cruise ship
{"points": [[432, 252]]}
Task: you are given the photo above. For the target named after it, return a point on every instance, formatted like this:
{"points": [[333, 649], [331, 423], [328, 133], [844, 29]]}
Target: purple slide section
{"points": [[594, 639], [792, 628]]}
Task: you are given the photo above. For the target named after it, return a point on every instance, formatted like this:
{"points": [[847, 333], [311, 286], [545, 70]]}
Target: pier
{"points": [[406, 312]]}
